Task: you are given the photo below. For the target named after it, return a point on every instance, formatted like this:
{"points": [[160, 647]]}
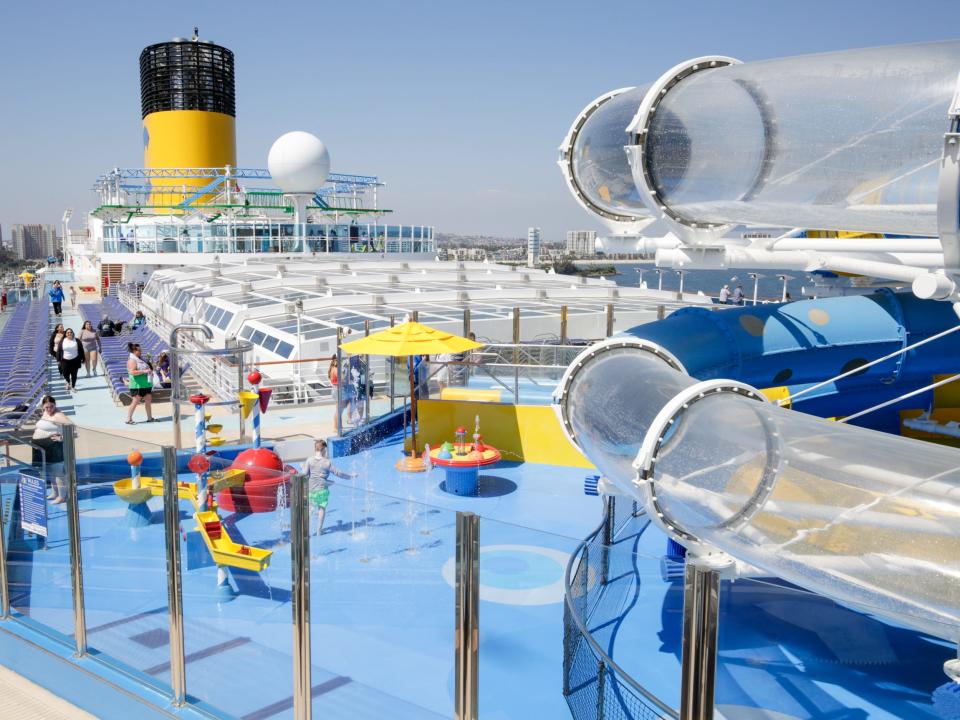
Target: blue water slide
{"points": [[802, 343]]}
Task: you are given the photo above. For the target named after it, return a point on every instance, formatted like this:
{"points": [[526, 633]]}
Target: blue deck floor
{"points": [[382, 609]]}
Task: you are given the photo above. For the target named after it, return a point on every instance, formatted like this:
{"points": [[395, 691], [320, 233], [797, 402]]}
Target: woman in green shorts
{"points": [[141, 387]]}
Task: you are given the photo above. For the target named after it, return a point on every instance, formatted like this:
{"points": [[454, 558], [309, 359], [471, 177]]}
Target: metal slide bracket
{"points": [[666, 425], [561, 395], [686, 229]]}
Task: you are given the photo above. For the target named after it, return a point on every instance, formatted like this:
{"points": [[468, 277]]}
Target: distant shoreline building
{"points": [[533, 247], [33, 241], [582, 243]]}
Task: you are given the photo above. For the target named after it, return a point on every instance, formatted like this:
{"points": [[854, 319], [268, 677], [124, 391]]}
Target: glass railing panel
{"points": [[382, 607], [786, 652], [235, 560], [123, 552], [36, 538]]}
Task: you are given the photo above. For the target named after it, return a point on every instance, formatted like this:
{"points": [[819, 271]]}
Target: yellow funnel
{"points": [[247, 401], [214, 428], [215, 441]]}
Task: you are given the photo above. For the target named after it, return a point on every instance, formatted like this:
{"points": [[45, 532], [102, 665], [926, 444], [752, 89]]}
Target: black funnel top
{"points": [[187, 75]]}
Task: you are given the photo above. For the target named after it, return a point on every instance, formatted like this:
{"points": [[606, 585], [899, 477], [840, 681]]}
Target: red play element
{"points": [[244, 550], [213, 529], [459, 430], [199, 464], [264, 474], [254, 377], [135, 458], [265, 394], [199, 399]]}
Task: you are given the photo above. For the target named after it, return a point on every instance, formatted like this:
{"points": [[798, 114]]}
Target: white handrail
{"points": [[882, 405], [860, 368]]}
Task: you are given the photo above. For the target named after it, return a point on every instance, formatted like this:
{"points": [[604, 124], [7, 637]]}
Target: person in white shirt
{"points": [[70, 357], [48, 438], [724, 295], [318, 469]]}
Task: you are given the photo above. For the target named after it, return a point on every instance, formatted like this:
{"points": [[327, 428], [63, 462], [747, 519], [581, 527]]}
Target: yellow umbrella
{"points": [[27, 277], [410, 338]]}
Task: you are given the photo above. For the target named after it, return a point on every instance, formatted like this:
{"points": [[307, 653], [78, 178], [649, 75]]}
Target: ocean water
{"points": [[710, 281]]}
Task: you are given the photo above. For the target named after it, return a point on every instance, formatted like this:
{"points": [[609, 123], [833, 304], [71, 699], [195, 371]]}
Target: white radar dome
{"points": [[299, 162]]}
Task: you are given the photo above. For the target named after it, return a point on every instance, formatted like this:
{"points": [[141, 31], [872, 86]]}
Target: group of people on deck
{"points": [[731, 298]]}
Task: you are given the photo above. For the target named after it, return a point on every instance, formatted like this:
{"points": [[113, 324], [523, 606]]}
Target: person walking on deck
{"points": [[141, 386], [56, 297], [70, 357], [73, 296], [3, 300], [90, 339]]}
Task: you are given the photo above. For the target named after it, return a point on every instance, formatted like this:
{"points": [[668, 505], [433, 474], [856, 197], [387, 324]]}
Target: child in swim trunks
{"points": [[318, 469]]}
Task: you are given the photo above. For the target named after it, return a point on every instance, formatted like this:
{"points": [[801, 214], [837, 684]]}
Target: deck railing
{"points": [[595, 686]]}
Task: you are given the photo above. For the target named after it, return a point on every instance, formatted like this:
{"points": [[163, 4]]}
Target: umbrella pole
{"points": [[413, 406]]}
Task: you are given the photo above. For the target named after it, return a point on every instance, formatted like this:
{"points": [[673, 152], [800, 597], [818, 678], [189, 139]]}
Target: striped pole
{"points": [[200, 428], [256, 419], [135, 477], [254, 378]]}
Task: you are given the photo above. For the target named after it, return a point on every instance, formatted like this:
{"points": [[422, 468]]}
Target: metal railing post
{"points": [[4, 582], [609, 319], [701, 615], [516, 356], [601, 688], [661, 312], [609, 528], [466, 322], [366, 384], [175, 394], [467, 633], [171, 528], [393, 370], [300, 597], [241, 372], [563, 324], [68, 432], [340, 377]]}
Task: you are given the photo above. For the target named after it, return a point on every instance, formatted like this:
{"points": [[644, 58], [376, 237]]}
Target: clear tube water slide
{"points": [[868, 519], [845, 140], [595, 158]]}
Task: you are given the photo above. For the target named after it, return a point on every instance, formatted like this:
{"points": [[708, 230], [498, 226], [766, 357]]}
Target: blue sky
{"points": [[458, 107]]}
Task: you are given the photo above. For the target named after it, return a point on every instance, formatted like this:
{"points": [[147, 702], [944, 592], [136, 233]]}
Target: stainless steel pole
{"points": [[609, 319], [701, 614], [68, 433], [516, 356], [340, 379], [171, 527], [563, 324], [4, 586], [467, 632], [661, 312], [175, 394], [366, 389], [300, 598], [241, 372], [393, 369]]}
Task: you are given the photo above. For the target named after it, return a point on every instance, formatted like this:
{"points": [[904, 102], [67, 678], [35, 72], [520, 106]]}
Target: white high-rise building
{"points": [[533, 247], [581, 243]]}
